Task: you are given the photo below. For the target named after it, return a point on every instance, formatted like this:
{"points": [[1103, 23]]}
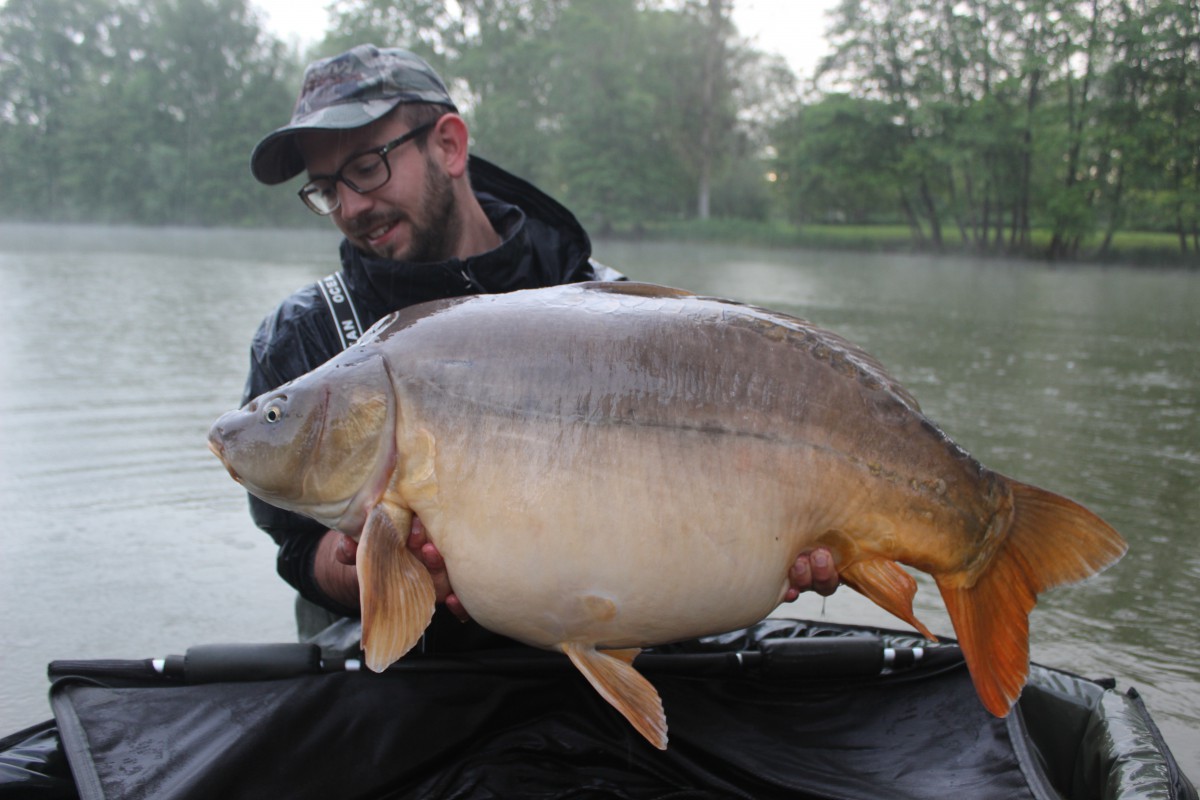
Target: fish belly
{"points": [[642, 536]]}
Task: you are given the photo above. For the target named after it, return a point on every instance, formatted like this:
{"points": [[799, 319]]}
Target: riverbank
{"points": [[1128, 248]]}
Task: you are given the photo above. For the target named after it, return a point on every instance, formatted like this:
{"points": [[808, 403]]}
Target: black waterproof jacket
{"points": [[543, 245]]}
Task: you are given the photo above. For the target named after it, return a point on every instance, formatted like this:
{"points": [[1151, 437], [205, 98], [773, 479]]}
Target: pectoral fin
{"points": [[395, 590], [620, 684], [886, 584]]}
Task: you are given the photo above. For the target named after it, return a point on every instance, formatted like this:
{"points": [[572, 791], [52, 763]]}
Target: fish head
{"points": [[322, 445]]}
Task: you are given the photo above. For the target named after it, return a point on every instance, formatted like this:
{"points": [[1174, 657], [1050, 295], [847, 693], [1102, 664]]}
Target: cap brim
{"points": [[277, 157]]}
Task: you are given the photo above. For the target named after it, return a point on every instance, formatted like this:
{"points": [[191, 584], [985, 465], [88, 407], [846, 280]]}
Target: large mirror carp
{"points": [[610, 466]]}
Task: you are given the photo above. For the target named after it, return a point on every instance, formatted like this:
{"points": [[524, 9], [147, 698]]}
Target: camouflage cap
{"points": [[343, 92]]}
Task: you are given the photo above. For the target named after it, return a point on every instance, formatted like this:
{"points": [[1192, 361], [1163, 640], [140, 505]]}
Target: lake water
{"points": [[123, 537]]}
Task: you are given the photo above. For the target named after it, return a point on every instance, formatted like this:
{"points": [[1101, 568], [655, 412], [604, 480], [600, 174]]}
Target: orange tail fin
{"points": [[1050, 541]]}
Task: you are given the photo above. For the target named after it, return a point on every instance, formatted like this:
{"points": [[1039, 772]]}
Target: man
{"points": [[386, 157]]}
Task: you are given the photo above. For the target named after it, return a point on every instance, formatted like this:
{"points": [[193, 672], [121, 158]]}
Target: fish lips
{"points": [[217, 447]]}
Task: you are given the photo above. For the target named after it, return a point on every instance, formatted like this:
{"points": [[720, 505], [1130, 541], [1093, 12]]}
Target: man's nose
{"points": [[351, 202]]}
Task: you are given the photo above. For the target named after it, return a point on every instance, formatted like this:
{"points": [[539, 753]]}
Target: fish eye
{"points": [[273, 414]]}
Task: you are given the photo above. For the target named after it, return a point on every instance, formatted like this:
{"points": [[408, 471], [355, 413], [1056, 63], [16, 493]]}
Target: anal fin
{"points": [[614, 677], [396, 592], [886, 584], [626, 656]]}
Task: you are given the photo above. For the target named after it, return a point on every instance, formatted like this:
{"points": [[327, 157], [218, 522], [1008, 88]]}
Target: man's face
{"points": [[412, 217]]}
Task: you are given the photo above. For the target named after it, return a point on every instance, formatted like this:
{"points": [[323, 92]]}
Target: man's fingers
{"points": [[346, 551], [417, 538], [455, 607], [418, 542], [425, 550], [800, 578], [812, 572], [432, 558], [824, 573]]}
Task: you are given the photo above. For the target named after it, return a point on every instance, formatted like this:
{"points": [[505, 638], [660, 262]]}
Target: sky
{"points": [[794, 29]]}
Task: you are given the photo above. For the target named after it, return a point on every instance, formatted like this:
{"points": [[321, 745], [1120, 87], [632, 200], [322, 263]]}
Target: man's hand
{"points": [[334, 570], [337, 576]]}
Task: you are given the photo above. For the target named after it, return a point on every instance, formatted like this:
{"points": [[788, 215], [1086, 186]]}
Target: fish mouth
{"points": [[218, 450]]}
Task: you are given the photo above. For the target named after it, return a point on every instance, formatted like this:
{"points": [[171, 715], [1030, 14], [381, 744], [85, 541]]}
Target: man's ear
{"points": [[448, 144]]}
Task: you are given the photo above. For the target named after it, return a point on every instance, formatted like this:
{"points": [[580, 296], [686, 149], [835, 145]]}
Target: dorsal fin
{"points": [[635, 289]]}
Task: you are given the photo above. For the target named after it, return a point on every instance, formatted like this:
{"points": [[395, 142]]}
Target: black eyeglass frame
{"points": [[310, 188]]}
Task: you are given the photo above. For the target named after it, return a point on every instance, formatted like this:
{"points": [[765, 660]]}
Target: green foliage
{"points": [[610, 153], [114, 110], [825, 175], [600, 101], [1042, 127], [1032, 114]]}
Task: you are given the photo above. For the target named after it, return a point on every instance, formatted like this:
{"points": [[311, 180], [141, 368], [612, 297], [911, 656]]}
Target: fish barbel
{"points": [[610, 466]]}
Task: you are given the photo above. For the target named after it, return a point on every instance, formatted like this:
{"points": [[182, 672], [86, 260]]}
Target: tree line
{"points": [[991, 118], [1027, 126]]}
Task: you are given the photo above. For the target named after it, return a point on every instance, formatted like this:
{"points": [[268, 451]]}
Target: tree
{"points": [[52, 52], [613, 148], [1179, 27], [628, 110], [713, 107], [884, 46], [992, 119], [116, 110], [825, 175], [1017, 113], [220, 87]]}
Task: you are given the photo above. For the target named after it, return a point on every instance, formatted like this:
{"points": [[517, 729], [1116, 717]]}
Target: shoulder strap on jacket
{"points": [[341, 307]]}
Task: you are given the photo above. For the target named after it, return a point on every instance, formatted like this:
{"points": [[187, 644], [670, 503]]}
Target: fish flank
{"points": [[850, 360], [932, 487], [821, 345]]}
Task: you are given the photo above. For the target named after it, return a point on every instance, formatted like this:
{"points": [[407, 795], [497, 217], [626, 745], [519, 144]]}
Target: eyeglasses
{"points": [[364, 173]]}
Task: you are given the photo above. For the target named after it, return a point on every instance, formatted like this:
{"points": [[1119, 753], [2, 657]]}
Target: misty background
{"points": [[1039, 128]]}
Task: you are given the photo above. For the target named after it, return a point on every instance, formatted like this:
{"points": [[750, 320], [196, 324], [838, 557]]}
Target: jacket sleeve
{"points": [[287, 345]]}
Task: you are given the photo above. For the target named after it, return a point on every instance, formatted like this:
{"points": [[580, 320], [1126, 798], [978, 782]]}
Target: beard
{"points": [[436, 235], [435, 229]]}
